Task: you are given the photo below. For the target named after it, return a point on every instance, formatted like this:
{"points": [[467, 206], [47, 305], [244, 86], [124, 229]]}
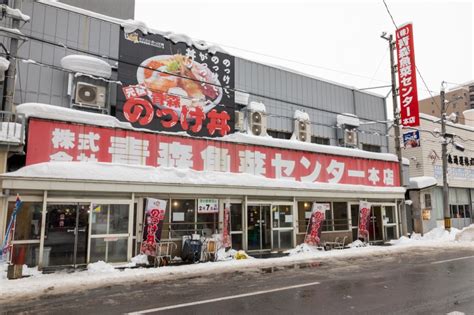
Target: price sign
{"points": [[208, 205]]}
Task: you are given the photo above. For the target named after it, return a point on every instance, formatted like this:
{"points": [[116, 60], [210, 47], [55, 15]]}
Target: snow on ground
{"points": [[101, 273]]}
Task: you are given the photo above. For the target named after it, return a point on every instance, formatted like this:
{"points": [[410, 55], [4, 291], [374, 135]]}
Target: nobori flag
{"points": [[409, 111]]}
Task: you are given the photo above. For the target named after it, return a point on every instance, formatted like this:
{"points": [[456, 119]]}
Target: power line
{"points": [[173, 74]]}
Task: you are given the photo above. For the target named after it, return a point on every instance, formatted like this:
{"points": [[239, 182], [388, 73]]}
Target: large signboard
{"points": [[407, 76], [60, 141], [173, 86]]}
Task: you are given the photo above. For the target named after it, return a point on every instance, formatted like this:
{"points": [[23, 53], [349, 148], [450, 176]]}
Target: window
{"points": [[428, 200], [320, 140], [279, 134], [182, 217], [28, 220], [337, 218], [371, 147]]}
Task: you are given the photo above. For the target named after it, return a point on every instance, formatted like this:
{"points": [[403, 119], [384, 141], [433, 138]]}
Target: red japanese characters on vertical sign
{"points": [[318, 215], [407, 76], [154, 217], [50, 141], [364, 213]]}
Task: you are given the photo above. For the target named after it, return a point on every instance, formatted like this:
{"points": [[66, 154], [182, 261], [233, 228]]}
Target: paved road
{"points": [[417, 282]]}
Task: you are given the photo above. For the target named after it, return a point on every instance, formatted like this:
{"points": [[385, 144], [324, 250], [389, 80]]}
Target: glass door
{"points": [[259, 227], [375, 224], [66, 234]]}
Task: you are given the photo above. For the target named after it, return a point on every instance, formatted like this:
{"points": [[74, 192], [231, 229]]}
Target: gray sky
{"points": [[335, 40]]}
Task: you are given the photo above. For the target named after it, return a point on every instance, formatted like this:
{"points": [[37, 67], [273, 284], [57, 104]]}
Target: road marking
{"points": [[224, 298], [448, 260]]}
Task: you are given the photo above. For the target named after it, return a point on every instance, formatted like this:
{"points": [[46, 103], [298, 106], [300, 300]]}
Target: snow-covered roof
{"points": [[438, 120], [167, 175], [422, 182], [256, 107], [87, 64], [70, 115], [301, 115]]}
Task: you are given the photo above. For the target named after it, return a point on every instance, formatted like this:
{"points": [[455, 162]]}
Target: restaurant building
{"points": [[134, 113]]}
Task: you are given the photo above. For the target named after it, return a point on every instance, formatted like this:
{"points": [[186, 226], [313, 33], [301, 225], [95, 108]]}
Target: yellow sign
{"points": [[426, 214]]}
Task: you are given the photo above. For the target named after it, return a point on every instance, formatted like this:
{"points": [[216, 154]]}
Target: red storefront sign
{"points": [[61, 141], [407, 76]]}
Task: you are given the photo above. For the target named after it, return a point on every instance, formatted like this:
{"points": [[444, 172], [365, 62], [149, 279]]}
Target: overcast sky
{"points": [[335, 40]]}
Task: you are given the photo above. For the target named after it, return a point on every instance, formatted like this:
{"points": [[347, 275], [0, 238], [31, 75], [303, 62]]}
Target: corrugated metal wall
{"points": [[280, 90], [283, 92], [45, 85]]}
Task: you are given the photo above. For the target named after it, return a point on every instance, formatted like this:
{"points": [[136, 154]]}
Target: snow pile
{"points": [[436, 235], [169, 176], [100, 267], [347, 120], [302, 248], [357, 243], [4, 64], [15, 13], [258, 107], [10, 132], [301, 116], [130, 26], [422, 182], [87, 64], [140, 259], [466, 234]]}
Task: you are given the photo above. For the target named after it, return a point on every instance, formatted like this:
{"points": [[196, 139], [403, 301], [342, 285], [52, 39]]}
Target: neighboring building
{"points": [[464, 100], [171, 113], [122, 9], [426, 174]]}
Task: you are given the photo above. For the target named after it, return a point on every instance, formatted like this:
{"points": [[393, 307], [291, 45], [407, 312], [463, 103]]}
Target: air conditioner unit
{"points": [[302, 130], [90, 95], [257, 122], [239, 120], [350, 138]]}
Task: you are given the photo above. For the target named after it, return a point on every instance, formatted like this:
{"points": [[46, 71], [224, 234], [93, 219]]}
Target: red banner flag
{"points": [[318, 215], [407, 76], [364, 213]]}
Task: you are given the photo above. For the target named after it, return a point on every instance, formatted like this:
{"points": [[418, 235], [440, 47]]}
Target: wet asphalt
{"points": [[418, 281]]}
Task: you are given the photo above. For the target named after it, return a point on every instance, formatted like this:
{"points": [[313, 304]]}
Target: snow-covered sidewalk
{"points": [[99, 274]]}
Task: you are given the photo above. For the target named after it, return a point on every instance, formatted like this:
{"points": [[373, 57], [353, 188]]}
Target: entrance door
{"points": [[66, 235], [375, 224], [259, 227]]}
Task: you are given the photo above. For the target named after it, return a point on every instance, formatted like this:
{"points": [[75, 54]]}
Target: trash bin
{"points": [[46, 253]]}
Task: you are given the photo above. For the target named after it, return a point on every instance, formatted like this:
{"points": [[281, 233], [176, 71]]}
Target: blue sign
{"points": [[411, 139]]}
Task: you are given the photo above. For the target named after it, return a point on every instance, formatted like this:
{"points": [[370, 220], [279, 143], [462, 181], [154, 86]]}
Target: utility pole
{"points": [[444, 154], [396, 125], [11, 72]]}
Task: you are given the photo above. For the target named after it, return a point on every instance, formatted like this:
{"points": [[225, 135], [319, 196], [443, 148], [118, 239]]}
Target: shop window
{"points": [[390, 214], [337, 218], [28, 220], [282, 217], [110, 219], [304, 213], [236, 217], [110, 249], [182, 217], [340, 222], [207, 223]]}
